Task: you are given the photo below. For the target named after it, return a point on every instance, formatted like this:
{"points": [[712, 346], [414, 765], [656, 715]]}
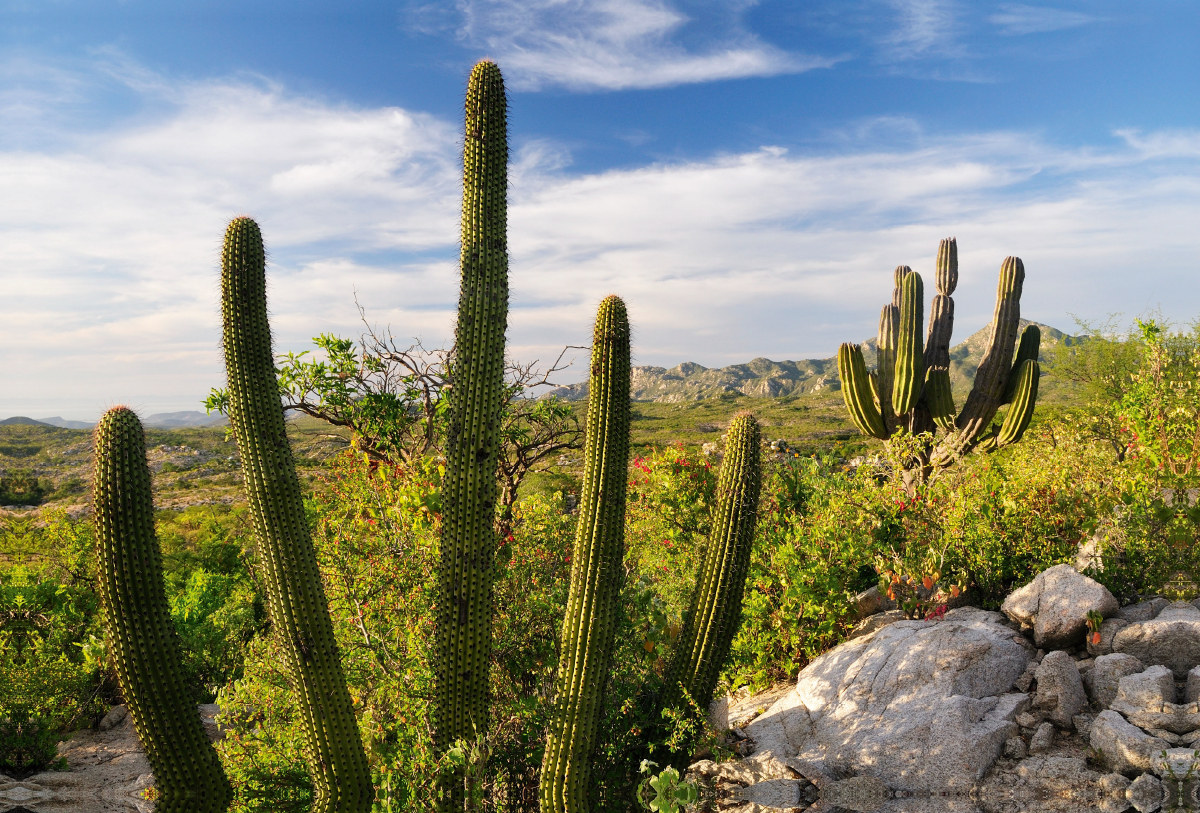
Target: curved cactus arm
{"points": [[1028, 349], [885, 353], [938, 397], [597, 559], [858, 391], [910, 362], [1023, 403], [296, 601], [716, 607], [463, 644], [990, 379], [145, 646]]}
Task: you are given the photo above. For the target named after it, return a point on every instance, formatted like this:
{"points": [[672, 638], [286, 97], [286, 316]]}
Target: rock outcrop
{"points": [[983, 712]]}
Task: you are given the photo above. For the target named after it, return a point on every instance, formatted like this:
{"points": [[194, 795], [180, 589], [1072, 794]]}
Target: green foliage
{"points": [[665, 792]]}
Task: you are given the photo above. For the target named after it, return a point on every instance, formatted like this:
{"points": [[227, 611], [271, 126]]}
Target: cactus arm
{"points": [[296, 600], [885, 353], [1023, 402], [468, 542], [938, 397], [145, 646], [593, 602], [1028, 349], [910, 366], [715, 610], [941, 326], [990, 379], [946, 274], [857, 391]]}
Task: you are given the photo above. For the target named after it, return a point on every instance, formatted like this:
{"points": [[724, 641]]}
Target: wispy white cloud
{"points": [[1015, 19], [618, 44], [923, 28], [111, 244]]}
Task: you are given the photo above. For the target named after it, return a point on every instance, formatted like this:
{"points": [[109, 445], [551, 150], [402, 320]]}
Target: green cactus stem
{"points": [[885, 354], [468, 542], [910, 362], [145, 646], [597, 562], [1027, 350], [1023, 402], [296, 601], [715, 611], [938, 397], [858, 391], [992, 375]]}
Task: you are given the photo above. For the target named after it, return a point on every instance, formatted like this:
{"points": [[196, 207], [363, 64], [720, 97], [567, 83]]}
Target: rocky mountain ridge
{"points": [[763, 377]]}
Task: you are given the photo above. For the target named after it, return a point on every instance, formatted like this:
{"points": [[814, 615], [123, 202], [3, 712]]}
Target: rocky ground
{"points": [[107, 772]]}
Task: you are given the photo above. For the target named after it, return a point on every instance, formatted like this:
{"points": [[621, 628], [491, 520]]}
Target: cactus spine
{"points": [[596, 570], [187, 772], [911, 387], [716, 607], [468, 544], [296, 601]]}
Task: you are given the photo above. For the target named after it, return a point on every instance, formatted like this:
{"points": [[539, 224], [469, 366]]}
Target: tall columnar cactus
{"points": [[918, 382], [468, 542], [145, 646], [715, 611], [296, 601], [596, 567]]}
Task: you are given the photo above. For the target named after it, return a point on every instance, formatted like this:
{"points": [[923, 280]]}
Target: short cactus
{"points": [[911, 387], [145, 646], [715, 612], [597, 560], [296, 601]]}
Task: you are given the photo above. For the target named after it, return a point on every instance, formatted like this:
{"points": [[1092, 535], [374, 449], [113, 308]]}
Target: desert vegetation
{"points": [[437, 592]]}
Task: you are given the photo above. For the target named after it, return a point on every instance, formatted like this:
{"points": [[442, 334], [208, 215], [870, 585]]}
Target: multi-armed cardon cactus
{"points": [[910, 389], [296, 601], [597, 565], [145, 646], [476, 398]]}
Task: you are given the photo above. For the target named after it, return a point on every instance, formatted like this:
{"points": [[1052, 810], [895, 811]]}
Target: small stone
{"points": [[116, 715], [1014, 748], [1023, 683], [1043, 738], [1082, 724], [1027, 720], [1114, 783], [1145, 793]]}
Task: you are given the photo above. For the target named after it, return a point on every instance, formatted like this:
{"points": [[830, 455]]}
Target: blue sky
{"points": [[745, 174]]}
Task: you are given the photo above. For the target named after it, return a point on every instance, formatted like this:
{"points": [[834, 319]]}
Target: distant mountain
{"points": [[65, 424], [160, 420], [182, 420], [765, 378]]}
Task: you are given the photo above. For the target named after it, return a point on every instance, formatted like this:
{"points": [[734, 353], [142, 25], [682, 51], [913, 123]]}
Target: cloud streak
{"points": [[617, 44], [112, 240], [1016, 19]]}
